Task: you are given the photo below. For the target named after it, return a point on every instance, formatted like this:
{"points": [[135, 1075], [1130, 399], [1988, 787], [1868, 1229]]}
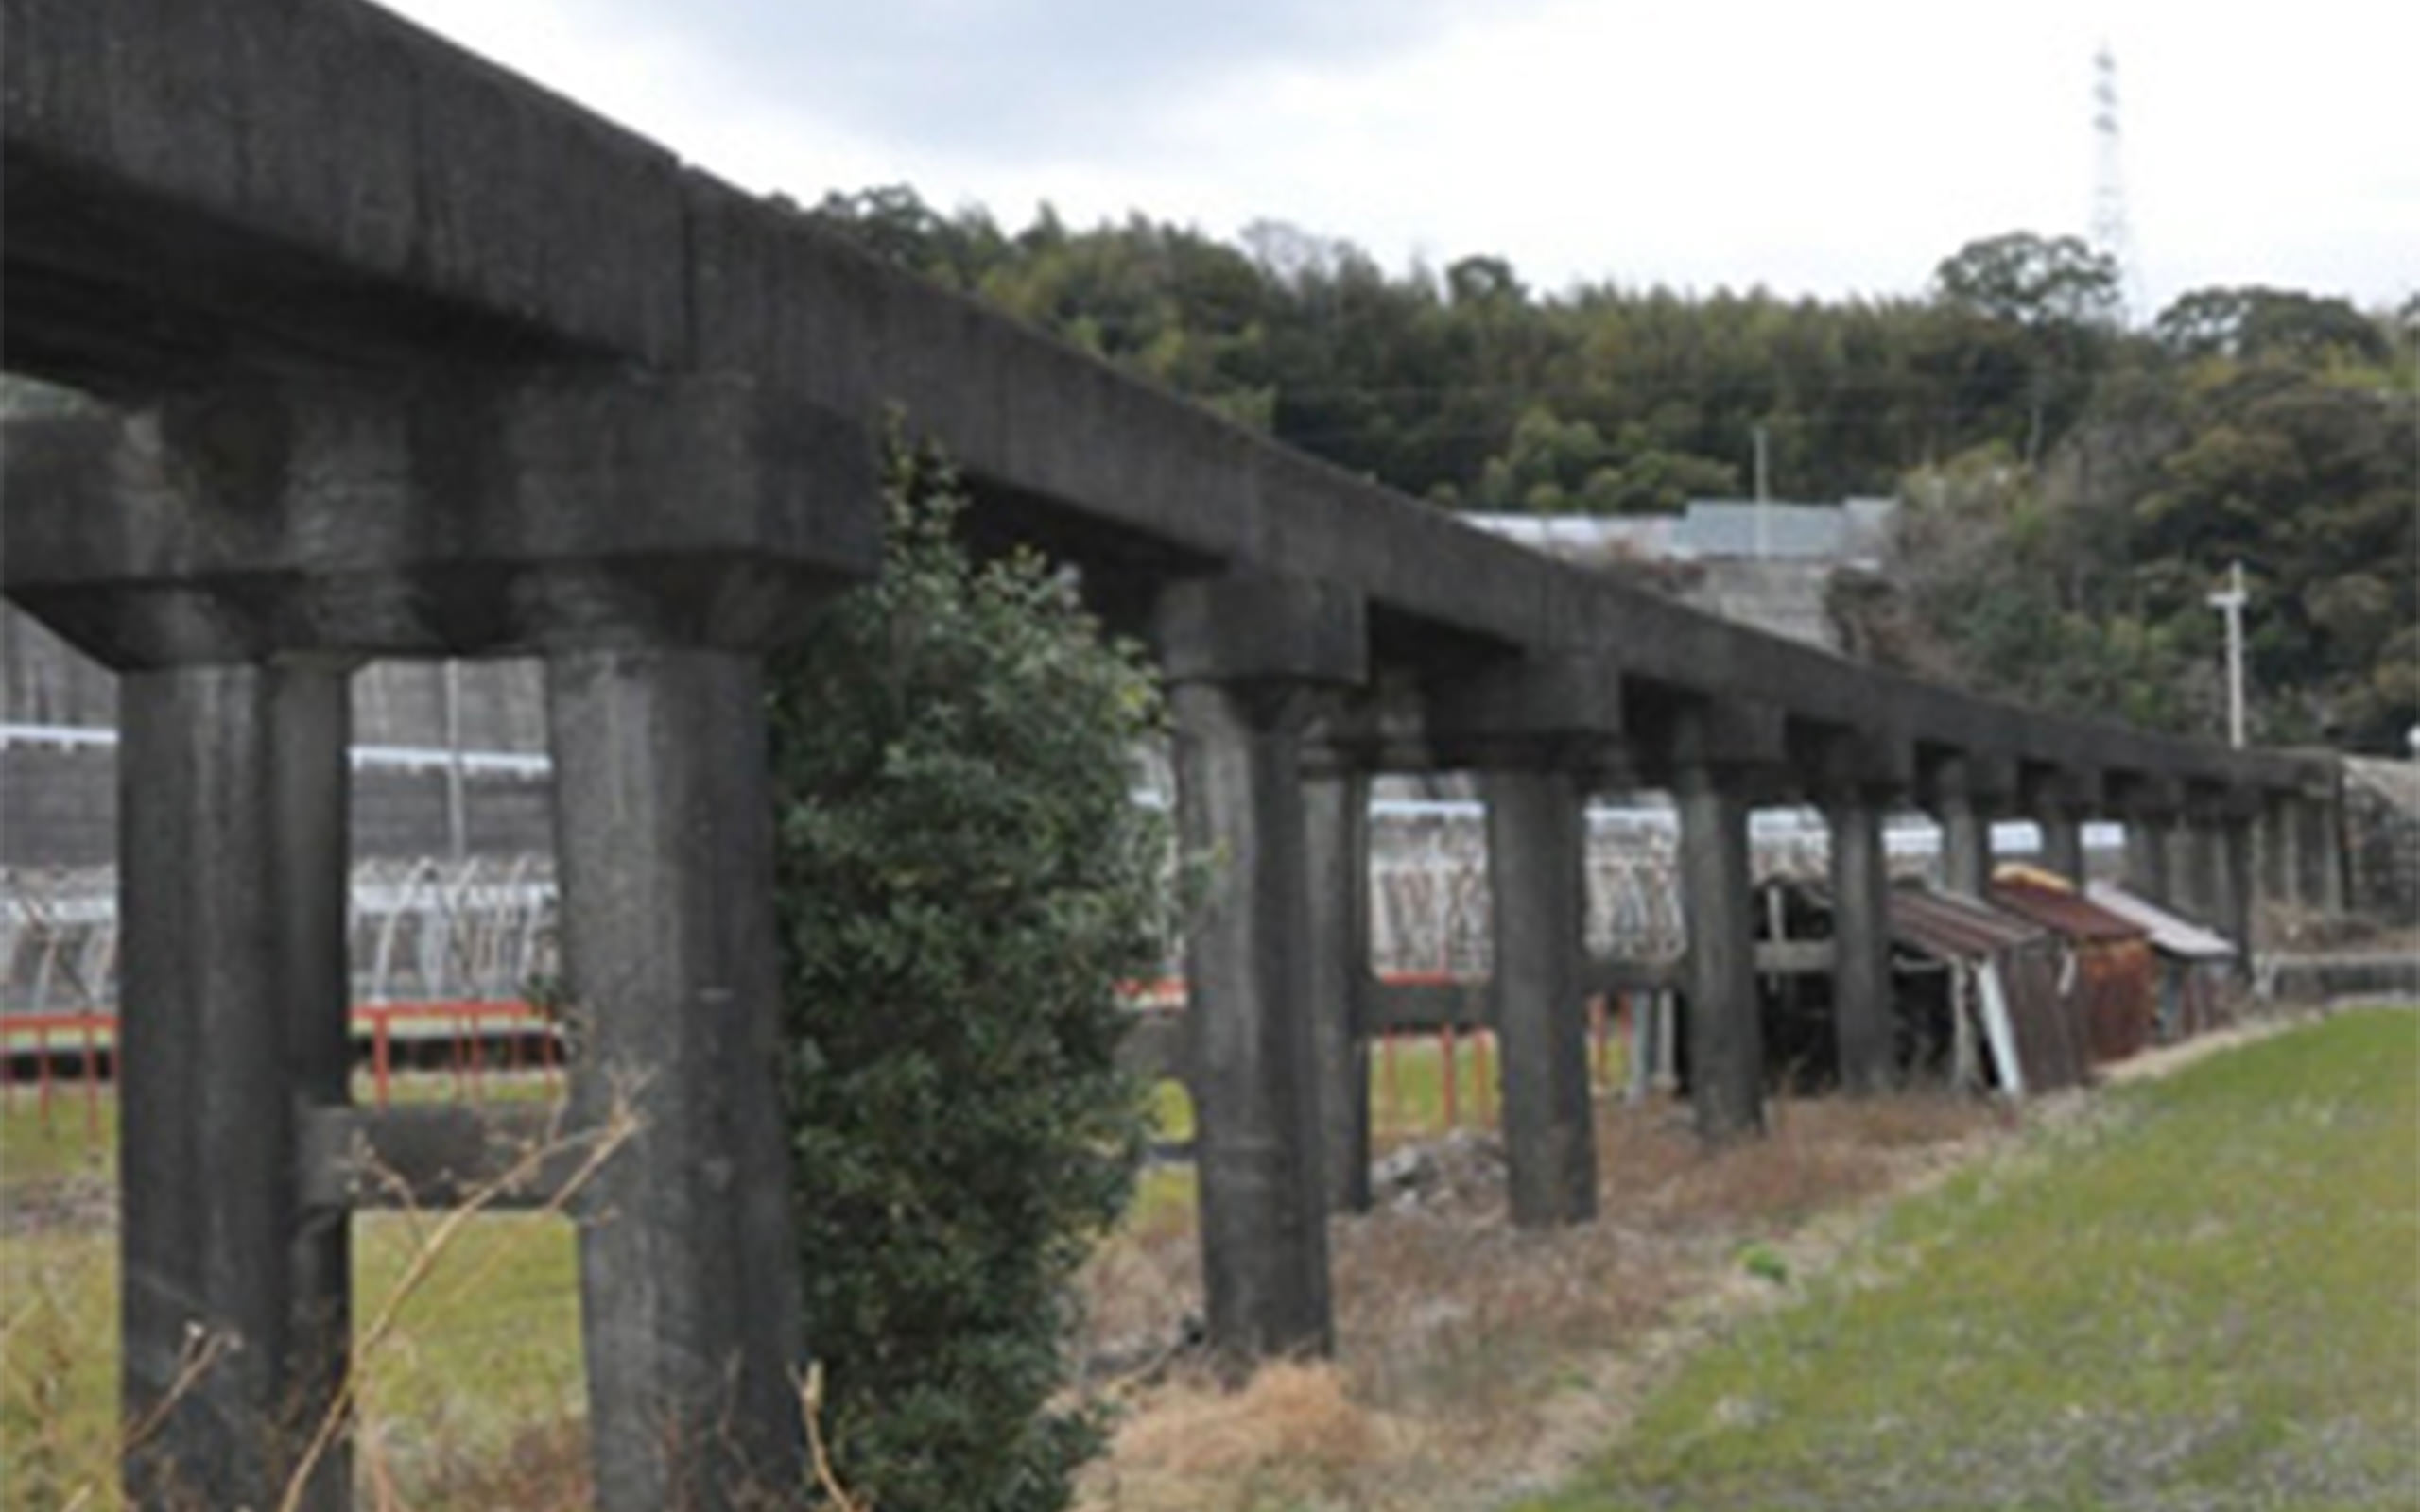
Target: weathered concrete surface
{"points": [[235, 1302], [1861, 991], [436, 518], [1726, 1038], [1964, 790], [689, 1297], [362, 192], [1336, 821], [1245, 657], [2151, 823], [1536, 849]]}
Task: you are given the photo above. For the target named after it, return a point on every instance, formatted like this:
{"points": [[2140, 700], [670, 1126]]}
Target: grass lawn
{"points": [[484, 1349], [2204, 1293]]}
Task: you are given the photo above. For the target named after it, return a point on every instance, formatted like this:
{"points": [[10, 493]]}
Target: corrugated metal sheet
{"points": [[1951, 928], [2171, 936], [2061, 910], [2113, 983]]}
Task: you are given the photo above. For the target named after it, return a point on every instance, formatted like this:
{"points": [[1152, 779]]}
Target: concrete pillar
{"points": [[2062, 829], [687, 1257], [1961, 807], [2230, 881], [1726, 1037], [1256, 1116], [1336, 813], [234, 1312], [2147, 848], [2192, 862], [1863, 1021], [1536, 847], [2321, 851], [233, 522], [2275, 863], [1241, 655]]}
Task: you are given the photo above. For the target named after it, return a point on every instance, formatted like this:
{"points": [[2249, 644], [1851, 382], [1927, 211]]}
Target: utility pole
{"points": [[2229, 601]]}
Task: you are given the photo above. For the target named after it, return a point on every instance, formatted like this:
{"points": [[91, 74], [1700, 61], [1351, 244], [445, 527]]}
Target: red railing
{"points": [[471, 1040]]}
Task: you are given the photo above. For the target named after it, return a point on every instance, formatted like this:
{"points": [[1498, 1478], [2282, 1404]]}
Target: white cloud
{"points": [[1822, 149]]}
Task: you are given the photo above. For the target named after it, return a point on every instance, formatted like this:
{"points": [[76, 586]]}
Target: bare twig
{"points": [[600, 1143], [810, 1402]]}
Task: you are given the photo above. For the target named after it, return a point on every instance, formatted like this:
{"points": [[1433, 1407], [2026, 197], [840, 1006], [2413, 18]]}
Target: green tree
{"points": [[963, 881]]}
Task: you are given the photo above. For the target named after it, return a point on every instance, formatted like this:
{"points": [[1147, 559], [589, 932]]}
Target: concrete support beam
{"points": [[2275, 864], [1536, 847], [2150, 826], [1335, 816], [1864, 1021], [2062, 844], [438, 1155], [688, 1261], [2192, 866], [2221, 831], [234, 1306], [651, 535], [1965, 790], [1242, 656], [1726, 1037], [2319, 825]]}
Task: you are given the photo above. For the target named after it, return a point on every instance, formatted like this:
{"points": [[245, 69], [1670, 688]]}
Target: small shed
{"points": [[2108, 976], [2194, 963], [1983, 974], [1975, 991]]}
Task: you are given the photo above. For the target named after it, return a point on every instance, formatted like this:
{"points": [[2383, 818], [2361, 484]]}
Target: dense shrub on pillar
{"points": [[963, 881]]}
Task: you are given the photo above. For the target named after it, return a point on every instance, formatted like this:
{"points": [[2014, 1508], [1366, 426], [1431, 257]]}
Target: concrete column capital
{"points": [[446, 516]]}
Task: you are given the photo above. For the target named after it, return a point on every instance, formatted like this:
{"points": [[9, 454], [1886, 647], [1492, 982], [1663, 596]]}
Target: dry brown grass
{"points": [[543, 1468], [1474, 1360]]}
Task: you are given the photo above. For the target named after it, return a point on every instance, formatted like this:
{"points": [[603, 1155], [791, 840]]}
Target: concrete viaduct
{"points": [[408, 357]]}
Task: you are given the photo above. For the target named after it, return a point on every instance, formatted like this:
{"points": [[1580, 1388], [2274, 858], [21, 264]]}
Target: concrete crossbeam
{"points": [[420, 518]]}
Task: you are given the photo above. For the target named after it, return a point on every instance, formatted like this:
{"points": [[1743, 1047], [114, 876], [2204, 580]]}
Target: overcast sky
{"points": [[1833, 149]]}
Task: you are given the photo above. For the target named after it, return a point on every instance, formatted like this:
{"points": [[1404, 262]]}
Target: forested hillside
{"points": [[2075, 486]]}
